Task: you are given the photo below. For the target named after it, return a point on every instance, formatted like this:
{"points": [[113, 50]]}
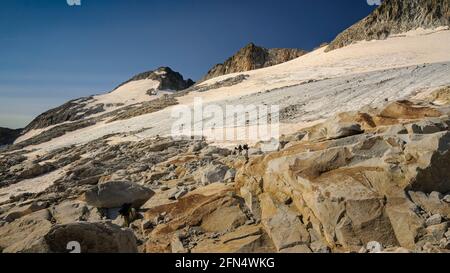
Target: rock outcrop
{"points": [[210, 219], [24, 234], [95, 237], [253, 57], [378, 182], [394, 17], [69, 111], [114, 194]]}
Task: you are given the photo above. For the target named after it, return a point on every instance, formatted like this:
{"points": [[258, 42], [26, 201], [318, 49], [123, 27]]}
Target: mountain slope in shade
{"points": [[7, 136], [253, 57], [394, 17]]}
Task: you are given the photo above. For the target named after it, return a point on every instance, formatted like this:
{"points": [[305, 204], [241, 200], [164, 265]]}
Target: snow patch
{"points": [[34, 185]]}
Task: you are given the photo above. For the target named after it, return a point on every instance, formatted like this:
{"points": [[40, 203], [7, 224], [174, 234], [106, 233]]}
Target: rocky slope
{"points": [[394, 17], [374, 175], [7, 136], [371, 180], [253, 57]]}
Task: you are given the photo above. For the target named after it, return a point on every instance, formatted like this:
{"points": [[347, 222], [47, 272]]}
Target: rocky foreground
{"points": [[372, 180]]}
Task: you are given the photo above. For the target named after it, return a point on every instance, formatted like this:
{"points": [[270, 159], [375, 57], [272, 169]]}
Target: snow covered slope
{"points": [[142, 88], [319, 84]]}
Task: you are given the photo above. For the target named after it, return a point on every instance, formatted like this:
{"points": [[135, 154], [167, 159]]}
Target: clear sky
{"points": [[51, 52]]}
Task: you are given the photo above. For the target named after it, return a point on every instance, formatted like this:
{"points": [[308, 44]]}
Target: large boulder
{"points": [[25, 233], [23, 210], [224, 219], [114, 194], [428, 156], [71, 211], [34, 233], [334, 128], [97, 237], [246, 239], [282, 224], [427, 126], [431, 203], [213, 209], [408, 110], [212, 173], [407, 225]]}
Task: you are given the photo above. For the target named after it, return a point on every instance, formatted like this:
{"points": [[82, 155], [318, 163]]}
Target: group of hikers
{"points": [[240, 149], [128, 213]]}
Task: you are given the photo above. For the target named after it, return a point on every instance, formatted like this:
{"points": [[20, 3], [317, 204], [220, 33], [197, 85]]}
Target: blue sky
{"points": [[51, 52]]}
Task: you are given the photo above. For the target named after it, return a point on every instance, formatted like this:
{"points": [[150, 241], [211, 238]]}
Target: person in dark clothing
{"points": [[240, 149], [246, 148], [128, 213]]}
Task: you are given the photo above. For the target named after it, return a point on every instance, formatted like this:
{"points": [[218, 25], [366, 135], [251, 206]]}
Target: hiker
{"points": [[246, 148], [240, 149], [128, 213]]}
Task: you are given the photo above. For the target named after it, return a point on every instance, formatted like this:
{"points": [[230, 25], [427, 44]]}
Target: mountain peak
{"points": [[251, 45], [169, 79], [253, 57], [129, 92], [394, 17]]}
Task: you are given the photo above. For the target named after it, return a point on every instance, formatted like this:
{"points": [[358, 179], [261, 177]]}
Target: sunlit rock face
{"points": [[394, 17]]}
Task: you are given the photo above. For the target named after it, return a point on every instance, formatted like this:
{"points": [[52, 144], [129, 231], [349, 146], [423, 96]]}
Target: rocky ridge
{"points": [[253, 57], [395, 17]]}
